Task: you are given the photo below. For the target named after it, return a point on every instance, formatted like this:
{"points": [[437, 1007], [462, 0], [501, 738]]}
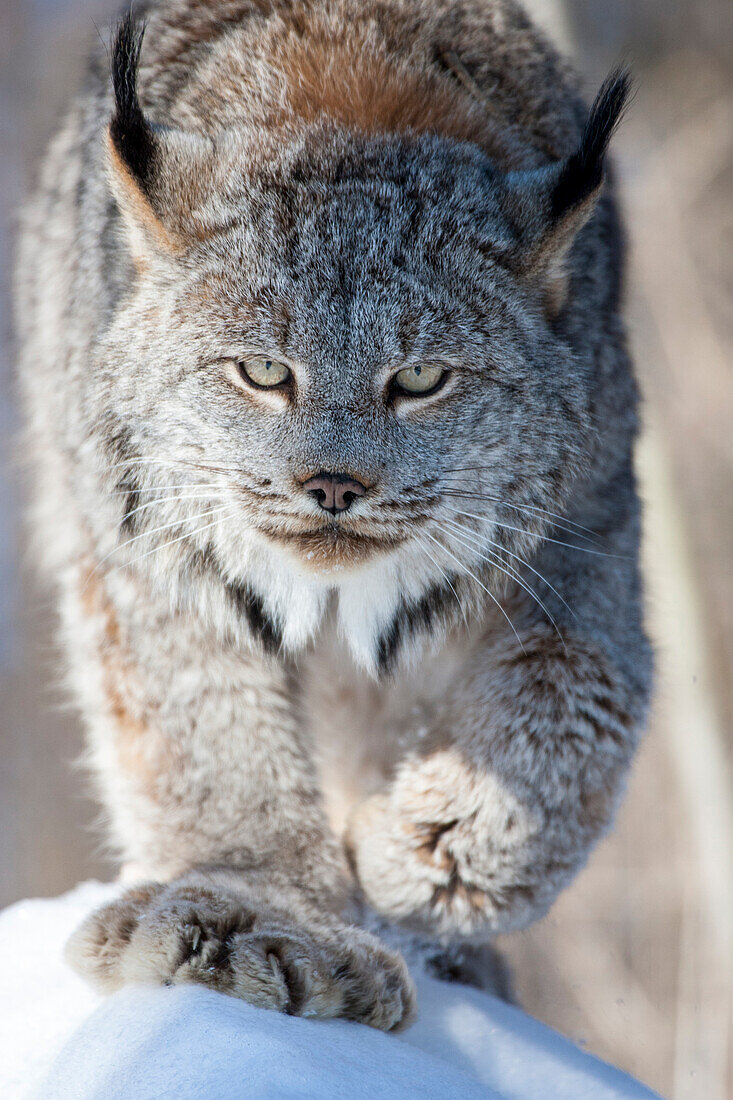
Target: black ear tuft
{"points": [[130, 131], [583, 171]]}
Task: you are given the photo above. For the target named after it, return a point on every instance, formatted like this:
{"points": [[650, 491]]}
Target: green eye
{"points": [[421, 379], [263, 372]]}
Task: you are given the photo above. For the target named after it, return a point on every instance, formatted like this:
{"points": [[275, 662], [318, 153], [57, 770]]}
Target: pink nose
{"points": [[334, 492]]}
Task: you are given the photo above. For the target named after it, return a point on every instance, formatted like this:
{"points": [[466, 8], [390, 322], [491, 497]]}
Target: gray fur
{"points": [[433, 698]]}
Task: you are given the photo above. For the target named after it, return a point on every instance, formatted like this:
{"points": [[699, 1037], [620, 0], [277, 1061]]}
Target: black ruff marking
{"points": [[118, 446], [128, 523], [410, 619], [130, 131], [251, 606], [244, 599], [583, 171]]}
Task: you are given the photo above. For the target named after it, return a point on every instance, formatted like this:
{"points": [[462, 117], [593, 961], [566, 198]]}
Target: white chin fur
{"points": [[367, 598], [293, 598]]}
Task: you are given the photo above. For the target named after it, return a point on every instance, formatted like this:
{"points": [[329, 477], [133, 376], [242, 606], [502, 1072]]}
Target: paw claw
{"points": [[319, 968]]}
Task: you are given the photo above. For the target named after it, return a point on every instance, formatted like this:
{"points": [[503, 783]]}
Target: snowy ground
{"points": [[61, 1041]]}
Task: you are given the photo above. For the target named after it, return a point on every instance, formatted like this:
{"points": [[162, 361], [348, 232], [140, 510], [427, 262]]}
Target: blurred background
{"points": [[635, 961]]}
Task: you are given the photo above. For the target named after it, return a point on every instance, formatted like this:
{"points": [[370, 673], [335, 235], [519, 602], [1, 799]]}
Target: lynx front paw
{"points": [[446, 851], [178, 934]]}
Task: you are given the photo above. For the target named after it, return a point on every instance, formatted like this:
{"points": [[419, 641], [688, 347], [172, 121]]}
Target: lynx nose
{"points": [[334, 492]]}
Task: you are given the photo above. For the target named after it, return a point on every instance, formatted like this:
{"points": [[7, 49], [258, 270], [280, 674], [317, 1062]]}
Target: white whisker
{"points": [[556, 523], [510, 572], [173, 463], [480, 584], [167, 488], [147, 534], [481, 538], [217, 512], [442, 572], [543, 538], [518, 507], [168, 500]]}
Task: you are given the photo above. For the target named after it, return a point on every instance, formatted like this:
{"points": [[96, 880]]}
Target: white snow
{"points": [[61, 1041]]}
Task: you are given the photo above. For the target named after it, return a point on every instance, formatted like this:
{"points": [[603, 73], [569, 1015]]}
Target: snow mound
{"points": [[61, 1041]]}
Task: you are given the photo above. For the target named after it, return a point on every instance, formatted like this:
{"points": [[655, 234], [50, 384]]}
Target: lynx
{"points": [[332, 416]]}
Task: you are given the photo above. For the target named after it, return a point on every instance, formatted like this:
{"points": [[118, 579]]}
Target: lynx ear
{"points": [[155, 172], [547, 206]]}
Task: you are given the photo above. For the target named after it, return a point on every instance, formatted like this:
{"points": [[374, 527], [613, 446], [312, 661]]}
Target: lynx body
{"points": [[333, 418]]}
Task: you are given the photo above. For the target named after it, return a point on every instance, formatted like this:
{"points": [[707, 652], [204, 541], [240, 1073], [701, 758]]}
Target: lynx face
{"points": [[348, 378]]}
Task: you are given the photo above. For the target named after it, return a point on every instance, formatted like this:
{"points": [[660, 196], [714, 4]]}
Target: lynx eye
{"points": [[263, 372], [420, 379]]}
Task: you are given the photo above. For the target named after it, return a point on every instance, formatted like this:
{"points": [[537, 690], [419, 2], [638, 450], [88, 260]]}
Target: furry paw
{"points": [[444, 852], [191, 933]]}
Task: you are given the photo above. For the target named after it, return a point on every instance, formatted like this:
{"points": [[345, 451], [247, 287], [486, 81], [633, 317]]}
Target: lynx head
{"points": [[339, 373]]}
